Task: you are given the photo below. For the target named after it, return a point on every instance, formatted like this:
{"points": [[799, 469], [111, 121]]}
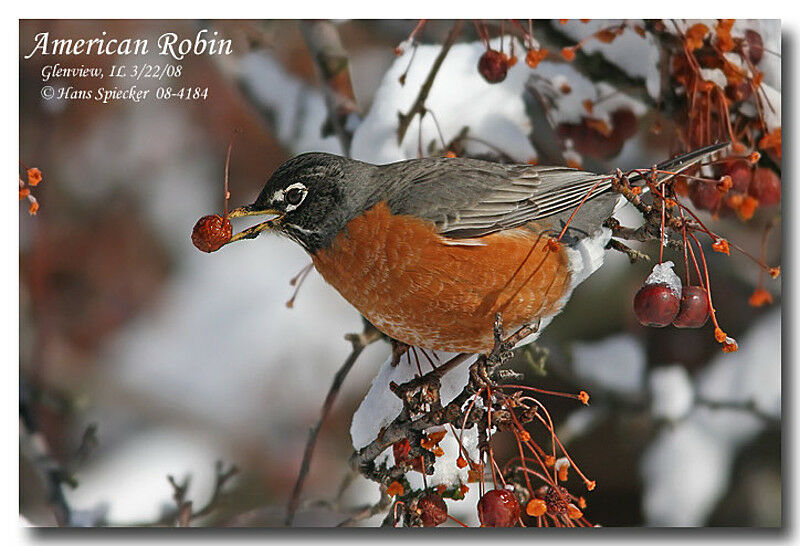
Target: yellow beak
{"points": [[253, 231]]}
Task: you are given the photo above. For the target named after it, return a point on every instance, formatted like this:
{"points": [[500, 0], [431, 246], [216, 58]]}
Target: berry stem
{"points": [[227, 194]]}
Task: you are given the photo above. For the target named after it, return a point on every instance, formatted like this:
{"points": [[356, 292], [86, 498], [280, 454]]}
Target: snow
{"points": [[299, 110], [568, 108], [140, 491], [459, 97], [770, 31], [753, 373], [636, 56], [220, 333], [671, 392], [683, 470], [772, 107], [615, 364], [381, 406], [664, 274], [686, 469]]}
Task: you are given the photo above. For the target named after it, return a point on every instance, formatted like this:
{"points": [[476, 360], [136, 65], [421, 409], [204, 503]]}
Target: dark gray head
{"points": [[313, 195]]}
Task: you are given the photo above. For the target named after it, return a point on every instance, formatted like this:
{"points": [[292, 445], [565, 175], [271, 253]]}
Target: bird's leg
{"points": [[398, 349]]}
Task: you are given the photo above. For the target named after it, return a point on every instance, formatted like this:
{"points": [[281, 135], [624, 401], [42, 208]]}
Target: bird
{"points": [[431, 250]]}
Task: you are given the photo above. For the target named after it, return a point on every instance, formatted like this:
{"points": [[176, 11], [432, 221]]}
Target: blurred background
{"points": [[141, 357]]}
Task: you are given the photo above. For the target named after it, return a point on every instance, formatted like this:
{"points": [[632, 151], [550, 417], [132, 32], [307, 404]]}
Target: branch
{"points": [[747, 406], [419, 105], [633, 254], [485, 370], [359, 343], [330, 57], [184, 515], [36, 447], [592, 65], [368, 511]]}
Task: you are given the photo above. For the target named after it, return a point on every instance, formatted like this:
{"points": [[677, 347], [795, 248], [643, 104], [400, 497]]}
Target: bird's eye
{"points": [[294, 196]]}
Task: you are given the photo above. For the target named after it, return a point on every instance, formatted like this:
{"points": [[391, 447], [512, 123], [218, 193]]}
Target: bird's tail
{"points": [[675, 166], [683, 162]]}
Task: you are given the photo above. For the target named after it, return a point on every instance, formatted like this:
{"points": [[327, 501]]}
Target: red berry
{"points": [[499, 508], [755, 45], [656, 305], [738, 92], [433, 510], [493, 66], [694, 308], [766, 187], [704, 195], [211, 232], [624, 122], [740, 172]]}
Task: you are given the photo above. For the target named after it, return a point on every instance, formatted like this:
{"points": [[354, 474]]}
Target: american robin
{"points": [[430, 249]]}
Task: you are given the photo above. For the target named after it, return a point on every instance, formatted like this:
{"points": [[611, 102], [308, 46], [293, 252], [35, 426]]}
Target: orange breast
{"points": [[415, 288]]}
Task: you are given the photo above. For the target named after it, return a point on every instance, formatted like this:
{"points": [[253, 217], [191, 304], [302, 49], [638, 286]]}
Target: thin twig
{"points": [[221, 477], [633, 254], [184, 515], [325, 45], [419, 105], [359, 343], [368, 511], [34, 444]]}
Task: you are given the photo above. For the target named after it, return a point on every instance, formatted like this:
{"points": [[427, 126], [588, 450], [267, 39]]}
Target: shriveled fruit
{"points": [[211, 232], [493, 66], [433, 510], [557, 501], [499, 508], [401, 450], [693, 311]]}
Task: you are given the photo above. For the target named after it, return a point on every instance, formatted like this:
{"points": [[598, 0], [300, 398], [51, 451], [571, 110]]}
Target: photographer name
{"points": [[169, 43]]}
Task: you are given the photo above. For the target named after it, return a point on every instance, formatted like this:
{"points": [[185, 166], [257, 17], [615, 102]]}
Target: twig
{"points": [[35, 446], [184, 514], [330, 57], [221, 477], [419, 105], [633, 254], [359, 342], [368, 511], [484, 369], [747, 406], [592, 65]]}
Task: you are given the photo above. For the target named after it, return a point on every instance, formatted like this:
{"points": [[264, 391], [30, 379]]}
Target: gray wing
{"points": [[470, 198]]}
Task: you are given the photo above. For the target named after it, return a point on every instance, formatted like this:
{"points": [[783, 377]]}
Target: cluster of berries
{"points": [[742, 188]]}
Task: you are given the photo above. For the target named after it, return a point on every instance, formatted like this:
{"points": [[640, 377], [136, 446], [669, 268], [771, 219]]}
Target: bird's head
{"points": [[307, 198]]}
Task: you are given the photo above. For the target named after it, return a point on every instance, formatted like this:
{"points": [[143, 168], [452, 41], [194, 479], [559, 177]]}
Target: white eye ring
{"points": [[283, 195]]}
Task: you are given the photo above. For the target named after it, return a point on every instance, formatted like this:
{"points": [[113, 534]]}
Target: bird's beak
{"points": [[253, 231]]}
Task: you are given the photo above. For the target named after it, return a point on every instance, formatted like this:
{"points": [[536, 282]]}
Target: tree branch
{"points": [[324, 44], [419, 105], [359, 343]]}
